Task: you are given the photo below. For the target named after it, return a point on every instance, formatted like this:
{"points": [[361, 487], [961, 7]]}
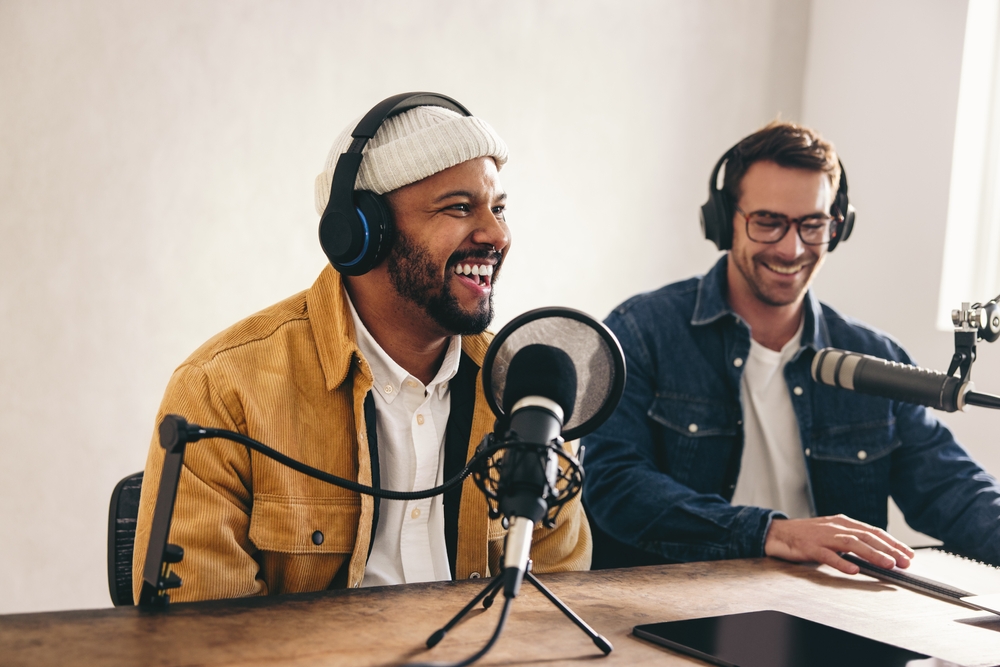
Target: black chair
{"points": [[121, 538]]}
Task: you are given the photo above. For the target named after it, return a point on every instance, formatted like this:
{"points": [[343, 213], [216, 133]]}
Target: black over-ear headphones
{"points": [[356, 229], [717, 213]]}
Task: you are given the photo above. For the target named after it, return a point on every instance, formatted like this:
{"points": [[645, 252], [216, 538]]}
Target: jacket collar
{"points": [[712, 304], [333, 329]]}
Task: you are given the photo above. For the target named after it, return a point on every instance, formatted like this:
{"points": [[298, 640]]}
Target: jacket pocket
{"points": [[696, 441], [691, 416], [858, 444], [294, 524]]}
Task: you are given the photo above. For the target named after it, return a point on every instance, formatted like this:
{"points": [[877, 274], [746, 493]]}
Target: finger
{"points": [[876, 541], [833, 559], [902, 549], [858, 546]]}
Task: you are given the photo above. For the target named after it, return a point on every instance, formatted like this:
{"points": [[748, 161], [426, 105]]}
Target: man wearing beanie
{"points": [[372, 377]]}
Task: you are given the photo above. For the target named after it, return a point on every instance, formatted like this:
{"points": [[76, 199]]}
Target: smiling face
{"points": [[776, 274], [450, 240]]}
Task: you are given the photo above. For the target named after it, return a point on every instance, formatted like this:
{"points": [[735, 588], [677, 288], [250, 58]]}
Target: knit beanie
{"points": [[411, 146]]}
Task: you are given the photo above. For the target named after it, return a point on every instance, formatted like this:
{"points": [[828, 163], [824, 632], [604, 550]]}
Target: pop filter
{"points": [[593, 349]]}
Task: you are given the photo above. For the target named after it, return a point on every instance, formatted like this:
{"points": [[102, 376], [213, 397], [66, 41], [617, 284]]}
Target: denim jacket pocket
{"points": [[850, 468], [698, 437], [858, 444]]}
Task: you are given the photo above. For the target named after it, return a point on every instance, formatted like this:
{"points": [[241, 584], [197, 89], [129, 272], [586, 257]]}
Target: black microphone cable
{"points": [[194, 432]]}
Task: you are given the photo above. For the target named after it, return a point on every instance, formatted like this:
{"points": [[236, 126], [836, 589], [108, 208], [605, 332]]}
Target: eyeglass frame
{"points": [[835, 222]]}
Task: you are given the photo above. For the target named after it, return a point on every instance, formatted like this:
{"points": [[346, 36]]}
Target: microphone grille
{"points": [[541, 370]]}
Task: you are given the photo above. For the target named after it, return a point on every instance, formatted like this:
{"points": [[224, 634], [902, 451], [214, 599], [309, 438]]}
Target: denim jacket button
{"points": [[797, 391], [808, 451], [862, 455], [737, 362], [693, 428]]}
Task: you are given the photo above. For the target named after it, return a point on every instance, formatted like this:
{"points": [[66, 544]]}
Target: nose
{"points": [[791, 245], [491, 230]]}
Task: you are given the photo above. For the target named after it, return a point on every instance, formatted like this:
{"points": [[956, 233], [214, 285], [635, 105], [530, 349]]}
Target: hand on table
{"points": [[822, 540]]}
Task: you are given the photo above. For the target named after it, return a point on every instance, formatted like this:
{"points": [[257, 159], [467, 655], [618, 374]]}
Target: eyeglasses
{"points": [[766, 227]]}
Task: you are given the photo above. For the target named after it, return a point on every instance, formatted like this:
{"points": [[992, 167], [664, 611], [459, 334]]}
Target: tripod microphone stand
{"points": [[488, 594]]}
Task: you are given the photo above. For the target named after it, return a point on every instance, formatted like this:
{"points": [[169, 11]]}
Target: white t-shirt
{"points": [[773, 468], [410, 421]]}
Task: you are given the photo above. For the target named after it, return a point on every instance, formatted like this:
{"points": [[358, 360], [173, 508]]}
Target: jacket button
{"points": [[475, 575], [808, 451], [797, 391], [693, 428], [737, 362], [318, 537], [862, 455]]}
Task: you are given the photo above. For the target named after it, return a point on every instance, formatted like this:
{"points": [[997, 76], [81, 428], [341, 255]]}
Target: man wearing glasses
{"points": [[722, 446]]}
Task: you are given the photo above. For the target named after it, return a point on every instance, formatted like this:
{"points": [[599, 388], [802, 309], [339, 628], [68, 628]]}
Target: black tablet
{"points": [[776, 639]]}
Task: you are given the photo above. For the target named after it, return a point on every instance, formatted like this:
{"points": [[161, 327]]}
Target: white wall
{"points": [[157, 159]]}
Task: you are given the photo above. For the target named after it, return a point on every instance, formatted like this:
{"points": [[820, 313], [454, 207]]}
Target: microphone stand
{"points": [[488, 594], [973, 323]]}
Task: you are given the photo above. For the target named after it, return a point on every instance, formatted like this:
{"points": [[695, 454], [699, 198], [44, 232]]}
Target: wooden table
{"points": [[388, 626]]}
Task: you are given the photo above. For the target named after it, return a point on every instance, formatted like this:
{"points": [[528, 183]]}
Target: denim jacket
{"points": [[661, 471]]}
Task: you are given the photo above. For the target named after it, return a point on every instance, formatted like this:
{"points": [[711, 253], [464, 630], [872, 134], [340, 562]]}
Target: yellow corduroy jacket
{"points": [[292, 377]]}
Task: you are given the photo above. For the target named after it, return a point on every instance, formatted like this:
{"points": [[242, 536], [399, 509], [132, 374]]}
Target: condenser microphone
{"points": [[866, 374], [539, 396]]}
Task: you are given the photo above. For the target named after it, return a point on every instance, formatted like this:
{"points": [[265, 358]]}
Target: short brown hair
{"points": [[786, 144]]}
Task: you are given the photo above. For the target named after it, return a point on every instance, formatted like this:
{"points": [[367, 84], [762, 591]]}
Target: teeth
{"points": [[787, 270], [474, 269]]}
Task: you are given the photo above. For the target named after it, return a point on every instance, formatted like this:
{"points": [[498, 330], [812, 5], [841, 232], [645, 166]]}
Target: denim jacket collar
{"points": [[712, 304]]}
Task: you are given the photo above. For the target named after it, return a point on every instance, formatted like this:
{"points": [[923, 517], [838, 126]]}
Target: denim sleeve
{"points": [[941, 490], [631, 499]]}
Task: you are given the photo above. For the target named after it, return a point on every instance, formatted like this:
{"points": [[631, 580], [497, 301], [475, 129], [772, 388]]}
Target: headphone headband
{"points": [[397, 104]]}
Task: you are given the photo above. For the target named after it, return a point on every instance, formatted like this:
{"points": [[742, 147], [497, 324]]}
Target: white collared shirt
{"points": [[773, 467], [411, 420]]}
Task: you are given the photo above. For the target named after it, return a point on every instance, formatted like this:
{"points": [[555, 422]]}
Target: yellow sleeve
{"points": [[211, 518]]}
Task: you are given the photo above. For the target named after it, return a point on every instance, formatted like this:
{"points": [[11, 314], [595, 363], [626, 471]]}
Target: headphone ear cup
{"points": [[845, 228], [374, 210], [844, 208], [356, 243], [717, 220], [848, 223]]}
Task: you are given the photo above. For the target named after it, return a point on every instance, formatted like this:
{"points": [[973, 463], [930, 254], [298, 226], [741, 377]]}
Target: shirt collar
{"points": [[389, 377], [711, 304]]}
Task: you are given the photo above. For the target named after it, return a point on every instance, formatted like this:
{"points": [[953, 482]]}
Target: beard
{"points": [[416, 277]]}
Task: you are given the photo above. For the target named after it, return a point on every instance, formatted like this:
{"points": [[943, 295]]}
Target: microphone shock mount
{"points": [[488, 474]]}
